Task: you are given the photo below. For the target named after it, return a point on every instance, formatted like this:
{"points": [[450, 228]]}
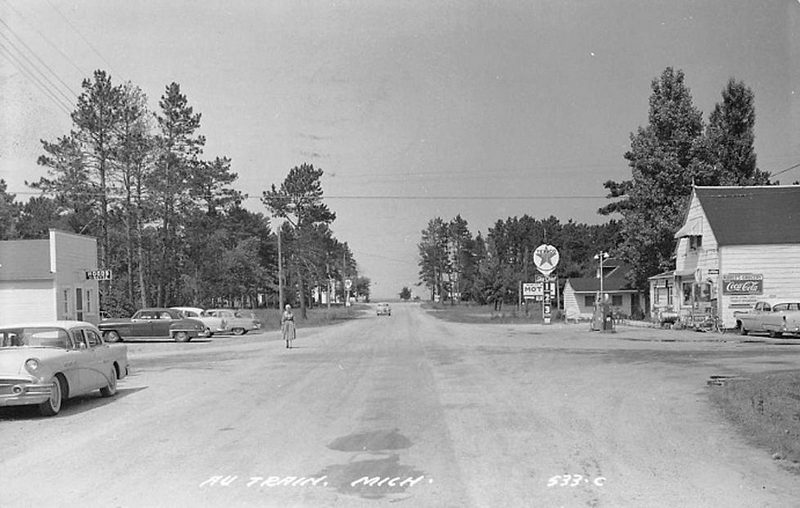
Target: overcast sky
{"points": [[414, 109]]}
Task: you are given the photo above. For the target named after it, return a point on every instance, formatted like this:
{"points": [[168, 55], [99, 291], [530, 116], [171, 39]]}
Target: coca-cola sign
{"points": [[742, 284]]}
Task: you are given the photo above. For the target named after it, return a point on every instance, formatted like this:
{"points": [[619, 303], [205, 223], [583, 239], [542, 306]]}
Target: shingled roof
{"points": [[758, 215], [614, 281]]}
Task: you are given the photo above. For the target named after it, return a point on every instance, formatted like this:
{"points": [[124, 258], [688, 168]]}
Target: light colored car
{"points": [[153, 323], [239, 321], [45, 363], [213, 324], [384, 309], [775, 320]]}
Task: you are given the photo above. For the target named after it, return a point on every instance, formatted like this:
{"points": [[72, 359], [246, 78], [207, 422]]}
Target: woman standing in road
{"points": [[287, 326]]}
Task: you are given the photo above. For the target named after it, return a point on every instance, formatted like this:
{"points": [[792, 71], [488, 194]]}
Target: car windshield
{"points": [[34, 337]]}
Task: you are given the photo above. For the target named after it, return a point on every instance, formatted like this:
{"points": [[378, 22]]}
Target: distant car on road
{"points": [[45, 363], [775, 320], [153, 323], [213, 324], [384, 309], [239, 321]]}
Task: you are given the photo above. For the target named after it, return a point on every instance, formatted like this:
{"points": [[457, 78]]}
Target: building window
{"points": [[687, 293], [616, 300], [589, 300], [695, 242], [88, 301], [66, 303]]}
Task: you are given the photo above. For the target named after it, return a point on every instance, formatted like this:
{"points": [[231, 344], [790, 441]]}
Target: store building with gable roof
{"points": [[737, 246]]}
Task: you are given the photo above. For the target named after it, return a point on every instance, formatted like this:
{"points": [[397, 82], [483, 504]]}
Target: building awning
{"points": [[693, 228], [665, 275]]}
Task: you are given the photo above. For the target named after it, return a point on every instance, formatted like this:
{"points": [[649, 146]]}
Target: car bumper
{"points": [[22, 393]]}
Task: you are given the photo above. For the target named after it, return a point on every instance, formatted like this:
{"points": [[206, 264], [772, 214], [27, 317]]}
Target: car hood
{"points": [[13, 359]]}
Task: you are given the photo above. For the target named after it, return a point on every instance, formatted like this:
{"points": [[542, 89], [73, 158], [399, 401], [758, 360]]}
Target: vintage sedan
{"points": [[384, 309], [213, 324], [43, 364], [775, 320], [153, 323], [239, 321]]}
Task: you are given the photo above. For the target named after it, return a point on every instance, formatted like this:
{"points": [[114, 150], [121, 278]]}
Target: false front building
{"points": [[44, 280]]}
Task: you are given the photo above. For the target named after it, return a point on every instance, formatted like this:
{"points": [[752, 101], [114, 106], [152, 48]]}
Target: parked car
{"points": [[44, 363], [384, 309], [239, 321], [153, 323], [773, 319], [213, 324]]}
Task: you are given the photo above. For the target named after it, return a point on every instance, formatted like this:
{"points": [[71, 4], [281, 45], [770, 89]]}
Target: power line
{"points": [[48, 41], [74, 29], [38, 82], [412, 197], [41, 62], [787, 169]]}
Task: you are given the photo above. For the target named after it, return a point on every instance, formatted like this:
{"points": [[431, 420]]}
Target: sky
{"points": [[414, 109]]}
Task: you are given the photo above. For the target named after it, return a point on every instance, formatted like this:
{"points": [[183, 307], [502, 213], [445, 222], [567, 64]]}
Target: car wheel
{"points": [[112, 336], [111, 389], [742, 329], [238, 331], [181, 337], [208, 333], [52, 406], [773, 334]]}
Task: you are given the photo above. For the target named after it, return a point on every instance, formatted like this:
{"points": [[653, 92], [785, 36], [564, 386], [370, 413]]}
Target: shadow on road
{"points": [[70, 407]]}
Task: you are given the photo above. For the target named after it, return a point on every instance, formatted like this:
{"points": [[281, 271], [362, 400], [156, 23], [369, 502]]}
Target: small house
{"points": [[581, 293]]}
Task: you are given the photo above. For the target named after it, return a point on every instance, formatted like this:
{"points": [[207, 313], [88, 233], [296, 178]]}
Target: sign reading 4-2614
{"points": [[545, 257], [98, 275]]}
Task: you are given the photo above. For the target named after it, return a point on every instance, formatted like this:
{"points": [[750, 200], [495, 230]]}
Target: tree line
{"points": [[676, 150], [457, 266], [169, 223]]}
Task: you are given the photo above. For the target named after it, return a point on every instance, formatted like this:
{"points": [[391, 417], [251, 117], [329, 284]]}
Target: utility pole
{"points": [[280, 273]]}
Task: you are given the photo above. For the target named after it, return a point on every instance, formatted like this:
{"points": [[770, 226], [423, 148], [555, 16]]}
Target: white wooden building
{"points": [[738, 245], [46, 279], [581, 293]]}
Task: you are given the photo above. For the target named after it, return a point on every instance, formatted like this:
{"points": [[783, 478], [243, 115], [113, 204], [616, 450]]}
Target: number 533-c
{"points": [[574, 480]]}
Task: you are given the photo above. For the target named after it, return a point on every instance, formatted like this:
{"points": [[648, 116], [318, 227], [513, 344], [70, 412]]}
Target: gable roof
{"points": [[612, 282], [759, 215], [592, 284]]}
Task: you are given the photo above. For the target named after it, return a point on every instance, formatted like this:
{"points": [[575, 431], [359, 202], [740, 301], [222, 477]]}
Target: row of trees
{"points": [[168, 221], [456, 265], [673, 152]]}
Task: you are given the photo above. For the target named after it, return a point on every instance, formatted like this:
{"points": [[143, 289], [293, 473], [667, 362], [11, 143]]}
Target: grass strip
{"points": [[766, 409]]}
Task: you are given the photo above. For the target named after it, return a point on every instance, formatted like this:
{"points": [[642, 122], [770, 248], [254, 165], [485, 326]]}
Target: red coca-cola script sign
{"points": [[742, 284]]}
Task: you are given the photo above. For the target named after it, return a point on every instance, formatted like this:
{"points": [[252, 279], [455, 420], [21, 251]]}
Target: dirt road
{"points": [[406, 409]]}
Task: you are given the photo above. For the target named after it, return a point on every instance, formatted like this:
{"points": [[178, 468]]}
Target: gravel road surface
{"points": [[407, 409]]}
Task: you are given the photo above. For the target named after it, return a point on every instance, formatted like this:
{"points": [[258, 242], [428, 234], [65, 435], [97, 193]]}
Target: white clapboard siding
{"points": [[571, 307], [779, 264], [706, 256], [27, 301]]}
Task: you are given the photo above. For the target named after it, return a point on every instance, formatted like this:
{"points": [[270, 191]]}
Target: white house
{"points": [[47, 279], [581, 293], [738, 245]]}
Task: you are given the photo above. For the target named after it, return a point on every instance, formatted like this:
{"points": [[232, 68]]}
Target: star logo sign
{"points": [[546, 256]]}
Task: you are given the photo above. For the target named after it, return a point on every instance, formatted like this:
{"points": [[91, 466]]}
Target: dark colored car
{"points": [[154, 323]]}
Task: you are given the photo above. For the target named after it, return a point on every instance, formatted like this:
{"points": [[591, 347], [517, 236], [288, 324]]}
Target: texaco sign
{"points": [[545, 257]]}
